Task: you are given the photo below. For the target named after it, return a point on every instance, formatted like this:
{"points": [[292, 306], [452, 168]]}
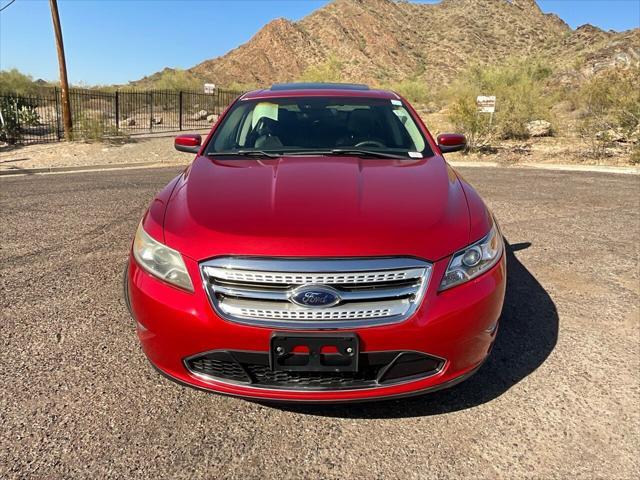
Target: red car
{"points": [[317, 249]]}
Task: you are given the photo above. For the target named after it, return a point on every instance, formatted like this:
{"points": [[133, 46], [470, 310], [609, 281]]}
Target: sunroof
{"points": [[319, 86]]}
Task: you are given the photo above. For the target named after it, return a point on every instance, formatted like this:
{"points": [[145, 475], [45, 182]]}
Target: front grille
{"points": [[372, 291], [321, 279], [377, 369]]}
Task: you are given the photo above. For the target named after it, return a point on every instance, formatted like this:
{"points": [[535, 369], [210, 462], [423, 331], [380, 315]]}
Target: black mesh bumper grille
{"points": [[219, 368], [252, 368], [263, 375]]}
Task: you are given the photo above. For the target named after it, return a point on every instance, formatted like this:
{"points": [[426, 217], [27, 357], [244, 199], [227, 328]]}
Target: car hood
{"points": [[317, 206]]}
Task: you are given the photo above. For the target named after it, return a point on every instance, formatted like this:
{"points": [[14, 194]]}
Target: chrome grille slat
{"points": [[288, 311], [300, 278], [347, 295], [373, 291]]}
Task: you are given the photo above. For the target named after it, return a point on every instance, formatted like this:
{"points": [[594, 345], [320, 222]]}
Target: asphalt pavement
{"points": [[559, 398]]}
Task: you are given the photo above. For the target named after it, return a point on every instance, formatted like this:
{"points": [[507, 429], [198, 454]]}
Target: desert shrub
{"points": [[634, 159], [177, 80], [614, 96], [328, 71], [610, 103], [520, 88], [28, 115], [463, 114], [14, 82], [414, 90], [240, 86], [94, 127], [16, 112]]}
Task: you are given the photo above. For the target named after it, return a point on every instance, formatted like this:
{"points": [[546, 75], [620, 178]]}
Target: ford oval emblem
{"points": [[317, 296]]}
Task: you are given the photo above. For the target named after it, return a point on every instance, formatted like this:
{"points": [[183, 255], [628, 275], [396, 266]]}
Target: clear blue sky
{"points": [[114, 41]]}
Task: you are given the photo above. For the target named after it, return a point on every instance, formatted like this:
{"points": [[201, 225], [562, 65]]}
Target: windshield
{"points": [[319, 125]]}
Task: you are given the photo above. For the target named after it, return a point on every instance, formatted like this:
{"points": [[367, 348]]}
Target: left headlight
{"points": [[474, 260], [160, 261]]}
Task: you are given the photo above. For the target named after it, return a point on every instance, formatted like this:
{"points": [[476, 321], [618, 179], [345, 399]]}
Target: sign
{"points": [[209, 88], [486, 104]]}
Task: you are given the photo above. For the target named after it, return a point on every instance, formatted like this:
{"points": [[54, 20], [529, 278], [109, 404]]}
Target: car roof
{"points": [[319, 86], [281, 90]]}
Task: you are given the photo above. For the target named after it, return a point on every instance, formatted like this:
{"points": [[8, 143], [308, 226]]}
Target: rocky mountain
{"points": [[382, 41]]}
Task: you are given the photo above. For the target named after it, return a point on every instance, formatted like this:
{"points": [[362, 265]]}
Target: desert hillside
{"points": [[385, 41]]}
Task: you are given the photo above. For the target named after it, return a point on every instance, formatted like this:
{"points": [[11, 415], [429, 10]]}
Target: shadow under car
{"points": [[528, 334]]}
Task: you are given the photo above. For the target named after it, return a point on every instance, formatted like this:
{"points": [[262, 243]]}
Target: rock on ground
{"points": [[539, 128], [201, 115]]}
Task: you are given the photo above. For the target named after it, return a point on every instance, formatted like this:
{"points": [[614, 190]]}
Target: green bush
{"points": [[94, 128], [610, 103], [14, 82], [240, 86], [635, 155], [415, 91], [16, 112], [328, 71], [28, 115], [615, 96], [521, 96], [463, 114], [177, 80]]}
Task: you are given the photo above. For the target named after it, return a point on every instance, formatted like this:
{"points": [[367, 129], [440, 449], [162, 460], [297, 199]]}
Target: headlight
{"points": [[473, 260], [160, 261]]}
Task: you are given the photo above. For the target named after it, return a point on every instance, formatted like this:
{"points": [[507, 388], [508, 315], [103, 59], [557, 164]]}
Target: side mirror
{"points": [[188, 143], [451, 142]]}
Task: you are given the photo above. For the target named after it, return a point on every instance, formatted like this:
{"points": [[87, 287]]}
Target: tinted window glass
{"points": [[319, 123]]}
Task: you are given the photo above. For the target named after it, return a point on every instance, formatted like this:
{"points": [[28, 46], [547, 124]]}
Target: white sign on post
{"points": [[209, 88], [486, 104]]}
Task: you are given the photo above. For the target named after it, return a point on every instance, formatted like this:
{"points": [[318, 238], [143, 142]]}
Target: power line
{"points": [[7, 5]]}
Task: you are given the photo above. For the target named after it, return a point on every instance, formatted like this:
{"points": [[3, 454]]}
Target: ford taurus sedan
{"points": [[318, 249]]}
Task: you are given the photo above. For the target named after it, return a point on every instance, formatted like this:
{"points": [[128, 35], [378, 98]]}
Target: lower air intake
{"points": [[377, 369]]}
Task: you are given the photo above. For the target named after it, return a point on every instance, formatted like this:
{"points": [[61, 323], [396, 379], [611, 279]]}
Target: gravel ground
{"points": [[152, 149], [559, 398]]}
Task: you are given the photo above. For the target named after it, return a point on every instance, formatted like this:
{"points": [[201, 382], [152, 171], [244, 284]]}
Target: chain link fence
{"points": [[37, 118]]}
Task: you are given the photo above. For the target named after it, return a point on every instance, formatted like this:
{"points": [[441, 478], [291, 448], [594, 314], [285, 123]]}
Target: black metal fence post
{"points": [[117, 101], [56, 94], [180, 111], [151, 111]]}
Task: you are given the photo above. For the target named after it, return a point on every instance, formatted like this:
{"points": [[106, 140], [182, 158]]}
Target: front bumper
{"points": [[458, 326]]}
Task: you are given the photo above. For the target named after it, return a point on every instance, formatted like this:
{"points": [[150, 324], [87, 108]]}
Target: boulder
{"points": [[539, 128], [212, 118], [611, 135], [201, 115]]}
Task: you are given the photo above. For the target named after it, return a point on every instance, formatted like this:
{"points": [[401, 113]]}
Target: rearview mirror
{"points": [[189, 143], [451, 142]]}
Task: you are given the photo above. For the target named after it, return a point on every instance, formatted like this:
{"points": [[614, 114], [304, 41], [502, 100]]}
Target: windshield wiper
{"points": [[360, 152], [245, 153], [357, 152], [365, 152]]}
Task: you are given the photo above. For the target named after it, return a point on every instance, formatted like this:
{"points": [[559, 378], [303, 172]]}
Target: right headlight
{"points": [[160, 261], [474, 260]]}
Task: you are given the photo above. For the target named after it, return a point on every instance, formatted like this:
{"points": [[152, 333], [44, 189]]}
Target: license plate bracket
{"points": [[327, 352]]}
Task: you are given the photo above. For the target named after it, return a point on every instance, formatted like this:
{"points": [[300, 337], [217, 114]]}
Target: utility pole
{"points": [[64, 84]]}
